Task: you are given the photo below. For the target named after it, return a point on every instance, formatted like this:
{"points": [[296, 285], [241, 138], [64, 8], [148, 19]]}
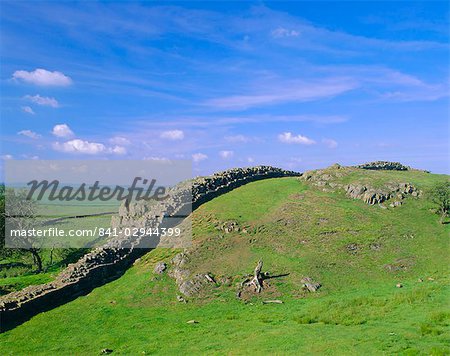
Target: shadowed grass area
{"points": [[358, 252]]}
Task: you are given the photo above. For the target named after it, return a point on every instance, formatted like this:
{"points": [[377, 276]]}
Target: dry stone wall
{"points": [[110, 261], [385, 166]]}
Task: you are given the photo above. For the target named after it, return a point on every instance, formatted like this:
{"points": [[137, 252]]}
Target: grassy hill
{"points": [[359, 253]]}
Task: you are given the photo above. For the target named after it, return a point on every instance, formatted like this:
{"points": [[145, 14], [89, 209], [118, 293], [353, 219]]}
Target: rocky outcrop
{"points": [[187, 284], [326, 179], [330, 179], [112, 259], [379, 195]]}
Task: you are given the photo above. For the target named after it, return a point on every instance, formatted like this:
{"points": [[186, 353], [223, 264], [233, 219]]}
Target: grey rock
{"points": [[230, 226], [181, 299], [309, 284], [353, 248], [375, 246], [180, 259], [160, 267]]}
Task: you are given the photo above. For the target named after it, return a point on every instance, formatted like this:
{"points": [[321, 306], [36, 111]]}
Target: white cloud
{"points": [[7, 157], [226, 154], [238, 139], [284, 32], [29, 133], [28, 110], [80, 146], [250, 159], [118, 150], [330, 143], [173, 135], [288, 137], [62, 130], [198, 157], [42, 100], [42, 77], [118, 140]]}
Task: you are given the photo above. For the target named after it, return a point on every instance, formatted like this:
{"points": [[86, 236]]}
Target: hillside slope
{"points": [[358, 252]]}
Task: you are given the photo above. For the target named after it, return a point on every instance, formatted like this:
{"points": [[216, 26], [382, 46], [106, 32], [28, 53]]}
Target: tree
{"points": [[440, 195], [19, 213]]}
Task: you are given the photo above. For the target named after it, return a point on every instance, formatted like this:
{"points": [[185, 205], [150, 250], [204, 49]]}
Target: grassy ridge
{"points": [[358, 252]]}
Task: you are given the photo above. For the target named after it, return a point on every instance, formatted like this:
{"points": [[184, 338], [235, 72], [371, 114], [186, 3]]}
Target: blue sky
{"points": [[296, 84]]}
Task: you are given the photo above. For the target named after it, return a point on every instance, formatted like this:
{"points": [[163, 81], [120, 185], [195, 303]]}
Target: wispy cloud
{"points": [[42, 100], [198, 157], [42, 77], [172, 135], [386, 84], [330, 143], [156, 158], [217, 121], [238, 139], [284, 32], [28, 110], [226, 154], [119, 140], [30, 134], [284, 92]]}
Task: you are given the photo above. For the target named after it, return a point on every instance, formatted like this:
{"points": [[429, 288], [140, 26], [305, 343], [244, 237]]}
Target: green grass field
{"points": [[296, 230]]}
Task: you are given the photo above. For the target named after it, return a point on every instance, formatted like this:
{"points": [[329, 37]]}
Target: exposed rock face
{"points": [[384, 165], [379, 195], [187, 284], [107, 262]]}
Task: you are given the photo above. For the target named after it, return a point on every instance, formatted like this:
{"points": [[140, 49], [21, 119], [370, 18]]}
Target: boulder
{"points": [[160, 267], [309, 284], [230, 226]]}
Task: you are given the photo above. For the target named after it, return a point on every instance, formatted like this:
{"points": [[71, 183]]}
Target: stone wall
{"points": [[110, 261], [384, 165]]}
